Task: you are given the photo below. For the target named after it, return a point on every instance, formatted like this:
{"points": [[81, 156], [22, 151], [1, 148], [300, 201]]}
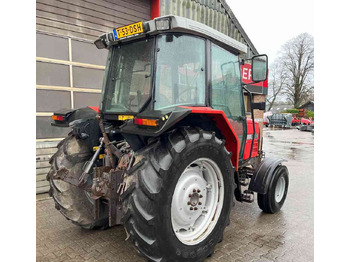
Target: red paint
{"points": [[155, 9], [95, 108], [246, 71], [304, 121], [224, 126], [248, 143], [295, 120]]}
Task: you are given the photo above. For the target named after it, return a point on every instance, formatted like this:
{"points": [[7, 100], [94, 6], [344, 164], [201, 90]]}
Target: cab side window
{"points": [[227, 91], [226, 86]]}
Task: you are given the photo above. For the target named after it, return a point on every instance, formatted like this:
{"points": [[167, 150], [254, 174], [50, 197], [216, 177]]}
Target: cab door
{"points": [[226, 91]]}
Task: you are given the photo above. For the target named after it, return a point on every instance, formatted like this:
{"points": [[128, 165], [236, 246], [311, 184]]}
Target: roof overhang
{"points": [[177, 24]]}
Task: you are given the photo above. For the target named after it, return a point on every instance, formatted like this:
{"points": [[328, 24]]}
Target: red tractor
{"points": [[170, 147]]}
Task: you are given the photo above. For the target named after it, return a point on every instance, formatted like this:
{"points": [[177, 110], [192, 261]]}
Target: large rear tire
{"points": [[163, 179], [74, 203]]}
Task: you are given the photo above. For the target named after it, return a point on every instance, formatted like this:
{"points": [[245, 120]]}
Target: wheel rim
{"points": [[197, 201], [280, 188]]}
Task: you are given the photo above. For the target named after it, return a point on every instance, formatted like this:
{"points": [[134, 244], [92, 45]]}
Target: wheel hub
{"points": [[197, 201], [195, 198], [280, 188]]}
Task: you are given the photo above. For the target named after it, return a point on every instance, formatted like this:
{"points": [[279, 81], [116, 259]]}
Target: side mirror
{"points": [[259, 68], [259, 106]]}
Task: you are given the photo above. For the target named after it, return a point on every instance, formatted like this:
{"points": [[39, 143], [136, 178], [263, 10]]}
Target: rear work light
{"points": [[145, 122], [57, 118], [163, 24]]}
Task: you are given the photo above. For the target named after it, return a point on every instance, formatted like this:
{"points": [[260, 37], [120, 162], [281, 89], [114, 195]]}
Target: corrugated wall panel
{"points": [[88, 19]]}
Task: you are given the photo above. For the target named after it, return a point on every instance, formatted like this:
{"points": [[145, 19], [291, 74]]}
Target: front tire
{"points": [[158, 179], [273, 200]]}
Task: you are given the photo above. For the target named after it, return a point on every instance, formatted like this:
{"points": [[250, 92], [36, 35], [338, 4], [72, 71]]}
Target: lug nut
{"points": [[199, 203], [190, 195], [194, 190], [198, 191], [200, 196], [195, 208], [191, 208], [188, 203]]}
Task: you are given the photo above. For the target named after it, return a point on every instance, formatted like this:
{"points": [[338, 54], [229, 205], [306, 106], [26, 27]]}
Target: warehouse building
{"points": [[70, 69]]}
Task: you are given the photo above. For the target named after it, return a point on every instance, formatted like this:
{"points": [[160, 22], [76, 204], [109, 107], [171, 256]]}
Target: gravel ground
{"points": [[251, 236]]}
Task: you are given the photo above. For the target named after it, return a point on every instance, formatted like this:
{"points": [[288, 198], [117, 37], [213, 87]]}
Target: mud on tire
{"points": [[150, 187], [74, 203]]}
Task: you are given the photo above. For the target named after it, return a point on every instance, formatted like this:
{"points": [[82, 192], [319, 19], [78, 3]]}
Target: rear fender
{"points": [[69, 115], [183, 116], [263, 174], [83, 123], [222, 123]]}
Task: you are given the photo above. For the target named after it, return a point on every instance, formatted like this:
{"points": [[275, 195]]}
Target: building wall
{"points": [[87, 19], [69, 68], [309, 107]]}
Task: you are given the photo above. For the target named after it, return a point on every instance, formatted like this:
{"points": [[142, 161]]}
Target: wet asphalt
{"points": [[251, 235]]}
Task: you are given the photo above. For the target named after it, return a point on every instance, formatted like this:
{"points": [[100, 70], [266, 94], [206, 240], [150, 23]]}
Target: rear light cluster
{"points": [[146, 122], [57, 118]]}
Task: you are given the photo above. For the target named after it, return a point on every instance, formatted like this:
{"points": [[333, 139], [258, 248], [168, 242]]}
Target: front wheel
{"points": [[273, 200], [180, 201]]}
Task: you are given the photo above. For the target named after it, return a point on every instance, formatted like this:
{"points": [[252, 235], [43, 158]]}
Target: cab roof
{"points": [[176, 24]]}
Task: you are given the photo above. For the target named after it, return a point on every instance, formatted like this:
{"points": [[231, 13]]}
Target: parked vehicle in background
{"points": [[265, 118], [280, 120], [303, 121], [307, 122], [295, 121]]}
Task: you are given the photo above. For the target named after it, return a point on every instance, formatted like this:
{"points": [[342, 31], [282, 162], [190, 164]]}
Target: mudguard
{"points": [[83, 123], [263, 174], [69, 115]]}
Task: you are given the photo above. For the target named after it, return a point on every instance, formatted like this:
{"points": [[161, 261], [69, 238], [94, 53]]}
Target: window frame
{"points": [[108, 79], [206, 65], [244, 117], [243, 111]]}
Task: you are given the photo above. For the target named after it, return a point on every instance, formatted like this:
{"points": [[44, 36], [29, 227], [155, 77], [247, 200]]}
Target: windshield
{"points": [[129, 78], [180, 75]]}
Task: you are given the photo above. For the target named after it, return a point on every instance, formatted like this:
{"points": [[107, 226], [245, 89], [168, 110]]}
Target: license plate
{"points": [[128, 30], [125, 117]]}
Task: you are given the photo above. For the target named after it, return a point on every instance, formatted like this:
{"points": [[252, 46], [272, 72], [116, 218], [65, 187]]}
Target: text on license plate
{"points": [[128, 30]]}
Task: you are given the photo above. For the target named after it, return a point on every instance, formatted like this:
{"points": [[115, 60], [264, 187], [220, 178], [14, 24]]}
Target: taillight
{"points": [[57, 118], [145, 122]]}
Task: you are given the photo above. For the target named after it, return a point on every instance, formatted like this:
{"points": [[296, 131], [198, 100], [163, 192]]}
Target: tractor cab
{"points": [[159, 72]]}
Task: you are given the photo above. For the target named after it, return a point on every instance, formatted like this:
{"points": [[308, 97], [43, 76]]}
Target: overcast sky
{"points": [[271, 23]]}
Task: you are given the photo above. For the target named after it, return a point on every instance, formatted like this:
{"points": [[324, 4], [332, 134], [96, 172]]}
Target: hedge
{"points": [[295, 111]]}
